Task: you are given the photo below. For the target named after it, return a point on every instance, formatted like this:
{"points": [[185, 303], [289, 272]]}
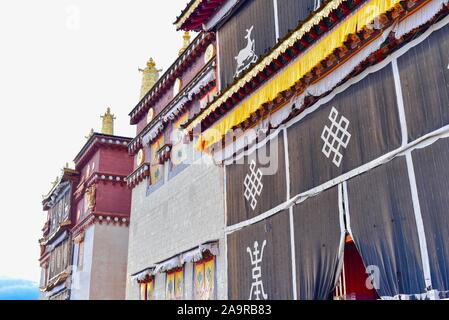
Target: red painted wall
{"points": [[115, 161], [113, 198], [93, 162]]}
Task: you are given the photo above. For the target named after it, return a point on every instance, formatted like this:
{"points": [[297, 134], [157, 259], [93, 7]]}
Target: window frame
{"points": [[176, 271], [203, 262]]}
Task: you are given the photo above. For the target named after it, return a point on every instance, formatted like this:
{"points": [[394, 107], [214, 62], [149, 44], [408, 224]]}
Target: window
{"points": [[156, 170], [143, 291], [67, 205], [65, 254], [150, 289], [204, 281], [179, 152], [85, 206], [59, 260], [147, 289], [174, 289]]}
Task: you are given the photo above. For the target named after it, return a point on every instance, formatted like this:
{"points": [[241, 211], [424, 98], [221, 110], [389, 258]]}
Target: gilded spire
{"points": [[91, 133], [108, 123], [150, 77], [55, 182], [186, 42], [66, 167]]}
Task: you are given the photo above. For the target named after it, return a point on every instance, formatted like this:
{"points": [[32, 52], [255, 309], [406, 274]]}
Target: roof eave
{"points": [[189, 21]]}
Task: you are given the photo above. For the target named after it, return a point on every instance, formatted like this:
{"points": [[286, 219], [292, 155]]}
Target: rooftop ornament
{"points": [[186, 42], [108, 123], [149, 78]]}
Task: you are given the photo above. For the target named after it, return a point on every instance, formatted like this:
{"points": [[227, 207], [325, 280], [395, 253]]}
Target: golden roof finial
{"points": [[108, 123], [186, 42], [55, 182], [150, 77], [91, 133]]}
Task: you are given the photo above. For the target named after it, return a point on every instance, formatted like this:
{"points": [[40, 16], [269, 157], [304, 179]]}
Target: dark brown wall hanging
{"points": [[253, 22], [291, 13], [365, 123], [317, 242], [384, 228], [257, 185], [245, 247], [424, 72], [432, 179]]}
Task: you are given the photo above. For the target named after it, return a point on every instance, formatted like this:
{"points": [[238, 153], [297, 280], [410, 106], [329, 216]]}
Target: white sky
{"points": [[57, 76]]}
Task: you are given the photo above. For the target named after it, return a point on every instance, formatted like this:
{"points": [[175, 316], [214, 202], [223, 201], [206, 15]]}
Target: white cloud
{"points": [[18, 289]]}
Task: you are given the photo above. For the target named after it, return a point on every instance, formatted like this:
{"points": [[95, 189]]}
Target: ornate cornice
{"points": [[141, 173], [95, 178], [200, 11], [354, 43], [56, 280], [98, 217], [97, 140], [314, 21], [60, 185], [187, 12], [63, 226], [175, 108], [197, 47]]}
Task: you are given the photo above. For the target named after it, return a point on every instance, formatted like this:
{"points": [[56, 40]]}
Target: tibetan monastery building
{"points": [[177, 211], [331, 121], [85, 244], [296, 149], [56, 242]]}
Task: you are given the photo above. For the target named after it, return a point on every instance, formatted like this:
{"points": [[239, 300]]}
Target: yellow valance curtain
{"points": [[306, 62]]}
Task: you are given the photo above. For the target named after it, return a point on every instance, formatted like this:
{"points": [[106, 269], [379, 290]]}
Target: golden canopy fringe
{"points": [[305, 63], [276, 53]]}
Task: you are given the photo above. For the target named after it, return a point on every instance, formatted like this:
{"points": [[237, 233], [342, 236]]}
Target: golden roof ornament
{"points": [[91, 133], [55, 182], [149, 78], [186, 42], [66, 166], [108, 123]]}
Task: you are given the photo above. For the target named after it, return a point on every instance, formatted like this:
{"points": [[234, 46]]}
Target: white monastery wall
{"points": [[109, 262], [81, 277], [103, 273], [184, 213]]}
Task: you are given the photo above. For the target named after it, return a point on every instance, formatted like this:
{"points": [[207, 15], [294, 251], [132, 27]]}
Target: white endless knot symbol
{"points": [[253, 185], [336, 137], [256, 259]]}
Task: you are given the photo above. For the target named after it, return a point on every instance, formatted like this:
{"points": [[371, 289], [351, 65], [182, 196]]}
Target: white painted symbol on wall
{"points": [[256, 259], [247, 56], [253, 185], [336, 137]]}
